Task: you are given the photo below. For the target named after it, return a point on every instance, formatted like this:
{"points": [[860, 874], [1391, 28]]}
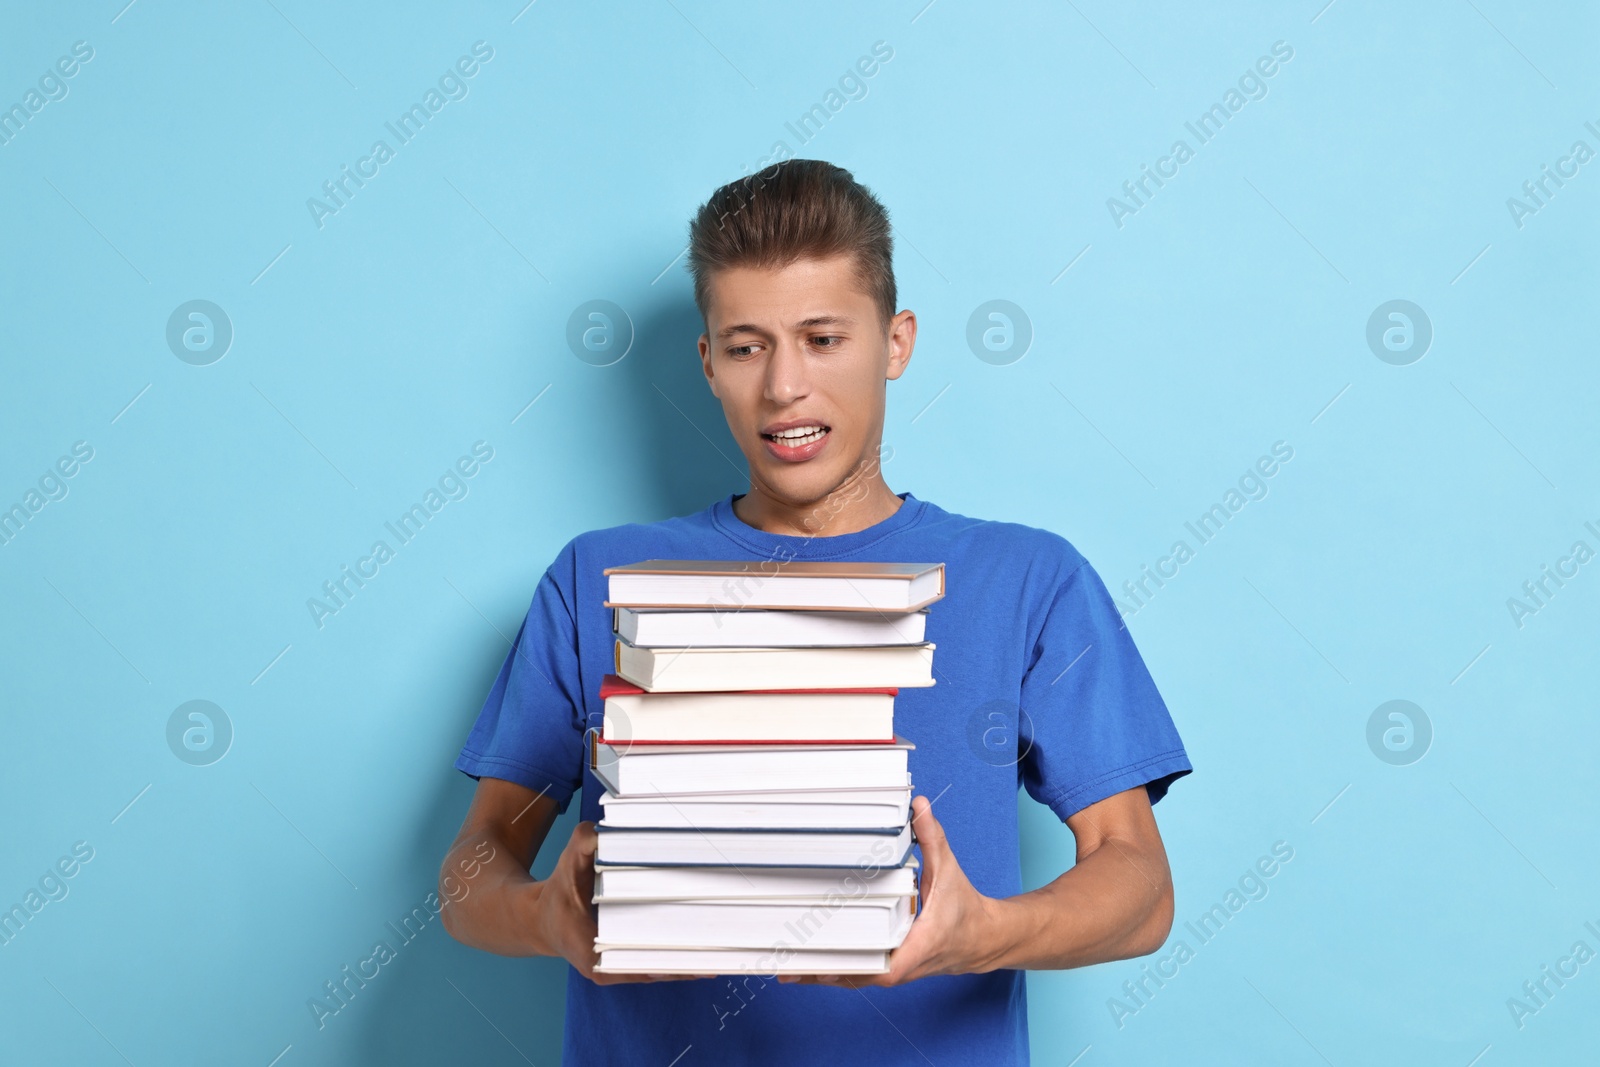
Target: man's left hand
{"points": [[955, 931]]}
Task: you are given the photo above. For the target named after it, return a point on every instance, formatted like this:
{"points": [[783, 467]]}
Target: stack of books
{"points": [[756, 813]]}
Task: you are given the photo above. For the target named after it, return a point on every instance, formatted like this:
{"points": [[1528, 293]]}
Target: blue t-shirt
{"points": [[1038, 685]]}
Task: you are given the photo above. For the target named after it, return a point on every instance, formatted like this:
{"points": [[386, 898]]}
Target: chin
{"points": [[801, 487]]}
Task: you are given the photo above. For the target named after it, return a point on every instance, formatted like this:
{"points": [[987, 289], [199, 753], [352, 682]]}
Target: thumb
{"points": [[585, 841], [579, 856], [580, 851], [935, 846]]}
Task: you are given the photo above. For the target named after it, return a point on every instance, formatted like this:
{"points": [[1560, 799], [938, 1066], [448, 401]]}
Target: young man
{"points": [[1038, 686]]}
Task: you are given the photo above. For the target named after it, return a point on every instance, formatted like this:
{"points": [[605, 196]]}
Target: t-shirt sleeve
{"points": [[531, 728], [1092, 723]]}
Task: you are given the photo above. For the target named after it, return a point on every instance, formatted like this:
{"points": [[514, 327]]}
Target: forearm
{"points": [[1116, 903], [490, 901]]}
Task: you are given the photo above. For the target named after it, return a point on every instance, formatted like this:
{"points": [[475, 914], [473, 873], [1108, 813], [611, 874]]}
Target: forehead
{"points": [[776, 296]]}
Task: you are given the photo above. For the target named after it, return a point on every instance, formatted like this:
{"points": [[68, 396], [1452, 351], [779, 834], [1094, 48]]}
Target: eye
{"points": [[742, 351], [835, 340]]}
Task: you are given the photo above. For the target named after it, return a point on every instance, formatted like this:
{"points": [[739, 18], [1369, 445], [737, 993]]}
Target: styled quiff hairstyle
{"points": [[796, 209]]}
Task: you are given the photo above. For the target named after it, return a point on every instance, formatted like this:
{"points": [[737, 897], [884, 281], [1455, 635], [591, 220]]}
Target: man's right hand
{"points": [[563, 912], [490, 901]]}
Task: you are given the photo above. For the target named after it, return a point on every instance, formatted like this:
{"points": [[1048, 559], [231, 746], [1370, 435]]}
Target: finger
{"points": [[846, 980], [618, 979], [604, 978], [928, 832], [902, 961], [608, 978], [935, 846], [904, 965], [579, 856], [922, 943], [584, 841]]}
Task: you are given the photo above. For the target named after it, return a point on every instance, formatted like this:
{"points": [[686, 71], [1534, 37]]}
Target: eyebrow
{"points": [[803, 324]]}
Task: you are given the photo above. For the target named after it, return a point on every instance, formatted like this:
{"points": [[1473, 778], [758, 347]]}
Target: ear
{"points": [[705, 364], [902, 339]]}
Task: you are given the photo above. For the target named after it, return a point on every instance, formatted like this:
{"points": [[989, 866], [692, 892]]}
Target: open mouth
{"points": [[799, 436]]}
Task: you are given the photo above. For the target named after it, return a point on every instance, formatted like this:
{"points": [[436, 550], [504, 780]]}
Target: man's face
{"points": [[799, 356]]}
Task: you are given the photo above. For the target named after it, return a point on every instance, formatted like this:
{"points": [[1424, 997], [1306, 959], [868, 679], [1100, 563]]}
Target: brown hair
{"points": [[796, 209]]}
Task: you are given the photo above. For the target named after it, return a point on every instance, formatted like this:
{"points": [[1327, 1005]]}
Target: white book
{"points": [[657, 770], [845, 809], [695, 669], [752, 848], [769, 583], [762, 961], [844, 715], [866, 923], [765, 628], [681, 883]]}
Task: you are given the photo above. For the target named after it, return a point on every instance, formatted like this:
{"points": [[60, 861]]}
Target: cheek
{"points": [[855, 392], [862, 408], [739, 393]]}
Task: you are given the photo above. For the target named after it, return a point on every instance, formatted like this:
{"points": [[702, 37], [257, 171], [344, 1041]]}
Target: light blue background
{"points": [[427, 314]]}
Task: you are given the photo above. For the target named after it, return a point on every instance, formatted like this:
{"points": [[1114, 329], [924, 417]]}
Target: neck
{"points": [[862, 500]]}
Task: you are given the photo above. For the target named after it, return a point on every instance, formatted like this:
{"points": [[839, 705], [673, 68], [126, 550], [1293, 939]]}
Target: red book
{"points": [[756, 716]]}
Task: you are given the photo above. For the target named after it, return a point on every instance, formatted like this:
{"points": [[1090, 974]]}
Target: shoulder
{"points": [[631, 541], [632, 535], [576, 574], [1042, 553]]}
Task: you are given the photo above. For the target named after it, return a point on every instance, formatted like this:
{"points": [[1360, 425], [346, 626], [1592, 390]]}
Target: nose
{"points": [[787, 371]]}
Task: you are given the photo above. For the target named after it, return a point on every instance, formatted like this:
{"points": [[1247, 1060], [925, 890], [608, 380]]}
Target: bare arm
{"points": [[492, 902], [1114, 904]]}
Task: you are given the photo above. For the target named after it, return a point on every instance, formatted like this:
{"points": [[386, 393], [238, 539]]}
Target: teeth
{"points": [[800, 435]]}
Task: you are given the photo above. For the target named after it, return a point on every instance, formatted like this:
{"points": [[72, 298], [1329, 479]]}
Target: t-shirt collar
{"points": [[792, 546]]}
